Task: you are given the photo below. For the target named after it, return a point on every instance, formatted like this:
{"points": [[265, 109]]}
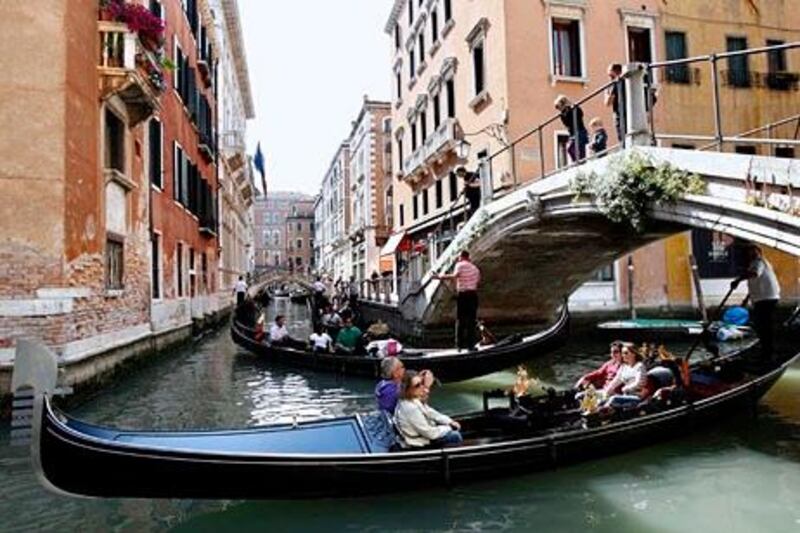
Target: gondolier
{"points": [[764, 293], [240, 289], [467, 277]]}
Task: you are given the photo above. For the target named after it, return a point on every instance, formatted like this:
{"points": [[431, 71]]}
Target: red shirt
{"points": [[467, 276], [602, 376]]}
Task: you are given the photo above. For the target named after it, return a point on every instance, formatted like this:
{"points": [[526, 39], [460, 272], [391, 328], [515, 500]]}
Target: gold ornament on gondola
{"points": [[590, 401], [522, 384]]}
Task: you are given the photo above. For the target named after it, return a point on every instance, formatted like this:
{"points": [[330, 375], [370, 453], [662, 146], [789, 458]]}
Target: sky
{"points": [[311, 62]]}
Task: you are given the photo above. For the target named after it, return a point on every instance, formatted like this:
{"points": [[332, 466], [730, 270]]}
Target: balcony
{"points": [[129, 70], [434, 149], [207, 146]]}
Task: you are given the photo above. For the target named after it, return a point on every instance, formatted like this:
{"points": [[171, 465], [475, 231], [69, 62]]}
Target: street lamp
{"points": [[462, 149]]}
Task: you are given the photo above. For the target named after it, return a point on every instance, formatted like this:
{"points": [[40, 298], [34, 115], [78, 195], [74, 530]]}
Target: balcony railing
{"points": [[129, 70], [435, 147], [776, 81]]}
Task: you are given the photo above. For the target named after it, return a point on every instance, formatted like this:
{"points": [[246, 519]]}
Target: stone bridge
{"points": [[537, 244]]}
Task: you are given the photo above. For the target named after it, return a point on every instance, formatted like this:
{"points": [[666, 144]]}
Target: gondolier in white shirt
{"points": [[241, 291], [467, 277], [764, 293]]}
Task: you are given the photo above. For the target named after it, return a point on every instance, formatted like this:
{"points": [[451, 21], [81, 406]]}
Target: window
{"points": [[448, 10], [604, 274], [437, 110], [155, 148], [421, 48], [411, 65], [562, 158], [415, 206], [450, 86], [115, 262], [478, 71], [298, 261], [423, 125], [299, 244], [399, 81], [192, 275], [434, 25], [410, 13], [746, 149], [156, 9], [567, 59], [676, 49], [777, 76], [776, 59], [453, 182], [299, 227], [114, 142], [400, 153], [425, 202], [177, 169], [402, 215], [179, 268], [439, 194], [177, 73], [155, 272], [784, 152], [397, 37], [738, 66], [414, 136]]}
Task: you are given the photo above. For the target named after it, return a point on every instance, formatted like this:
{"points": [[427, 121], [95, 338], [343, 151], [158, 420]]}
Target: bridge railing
{"points": [[759, 74]]}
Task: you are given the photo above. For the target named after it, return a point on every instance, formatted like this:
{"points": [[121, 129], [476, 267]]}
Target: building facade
{"points": [[237, 186], [271, 213], [488, 72], [110, 241], [370, 170], [332, 217], [184, 172], [299, 231]]}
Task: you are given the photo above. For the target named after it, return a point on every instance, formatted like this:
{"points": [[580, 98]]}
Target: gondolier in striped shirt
{"points": [[467, 277]]}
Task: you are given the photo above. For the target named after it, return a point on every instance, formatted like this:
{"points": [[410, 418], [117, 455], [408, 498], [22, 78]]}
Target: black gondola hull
{"points": [[448, 368], [76, 463]]}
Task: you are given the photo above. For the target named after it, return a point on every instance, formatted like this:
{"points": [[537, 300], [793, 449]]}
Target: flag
{"points": [[258, 161]]}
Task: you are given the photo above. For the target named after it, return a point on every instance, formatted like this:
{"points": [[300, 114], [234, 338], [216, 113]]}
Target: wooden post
{"points": [[630, 288], [698, 288]]}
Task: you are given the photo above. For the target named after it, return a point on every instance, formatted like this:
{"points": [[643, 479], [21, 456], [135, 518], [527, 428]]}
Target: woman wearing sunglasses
{"points": [[419, 424]]}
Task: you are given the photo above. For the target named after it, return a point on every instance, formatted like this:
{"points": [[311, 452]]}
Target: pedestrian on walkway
{"points": [[472, 189], [572, 118], [599, 142], [467, 277], [764, 293], [615, 98], [240, 289]]}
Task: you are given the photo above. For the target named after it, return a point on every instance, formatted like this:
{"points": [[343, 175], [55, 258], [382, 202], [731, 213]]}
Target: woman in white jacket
{"points": [[420, 425], [627, 386]]}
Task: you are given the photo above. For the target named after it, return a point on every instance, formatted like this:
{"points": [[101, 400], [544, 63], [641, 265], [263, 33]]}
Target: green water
{"points": [[741, 475]]}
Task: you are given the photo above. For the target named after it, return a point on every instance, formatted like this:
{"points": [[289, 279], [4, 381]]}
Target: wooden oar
{"points": [[708, 324]]}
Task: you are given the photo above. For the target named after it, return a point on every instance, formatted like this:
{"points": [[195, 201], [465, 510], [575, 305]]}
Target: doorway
{"points": [[639, 45]]}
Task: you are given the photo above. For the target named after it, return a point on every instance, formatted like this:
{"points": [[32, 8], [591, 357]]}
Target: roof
{"points": [[234, 28]]}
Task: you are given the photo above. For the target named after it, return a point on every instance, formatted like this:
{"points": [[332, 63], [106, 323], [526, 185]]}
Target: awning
{"points": [[391, 245]]}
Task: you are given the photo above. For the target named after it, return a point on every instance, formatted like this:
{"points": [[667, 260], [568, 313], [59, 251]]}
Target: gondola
{"points": [[447, 365], [662, 329], [299, 296], [352, 456]]}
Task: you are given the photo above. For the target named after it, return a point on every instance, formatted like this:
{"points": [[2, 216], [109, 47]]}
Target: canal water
{"points": [[741, 475]]}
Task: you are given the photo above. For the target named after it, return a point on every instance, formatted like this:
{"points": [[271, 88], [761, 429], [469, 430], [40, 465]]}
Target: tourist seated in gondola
{"points": [[350, 339], [605, 374], [418, 424], [627, 386], [331, 320], [279, 335], [387, 390], [320, 341]]}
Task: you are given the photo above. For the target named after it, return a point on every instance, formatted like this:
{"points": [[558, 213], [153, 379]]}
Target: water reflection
{"points": [[741, 475]]}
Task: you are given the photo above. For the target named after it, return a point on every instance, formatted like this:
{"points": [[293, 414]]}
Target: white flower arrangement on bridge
{"points": [[465, 238], [633, 184]]}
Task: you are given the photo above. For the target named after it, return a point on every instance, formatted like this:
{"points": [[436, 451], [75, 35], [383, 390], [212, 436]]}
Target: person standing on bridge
{"points": [[467, 277], [764, 293], [472, 189], [240, 289], [572, 118]]}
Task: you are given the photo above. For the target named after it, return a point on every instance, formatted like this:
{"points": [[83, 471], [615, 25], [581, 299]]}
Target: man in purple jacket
{"points": [[388, 389], [392, 371]]}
